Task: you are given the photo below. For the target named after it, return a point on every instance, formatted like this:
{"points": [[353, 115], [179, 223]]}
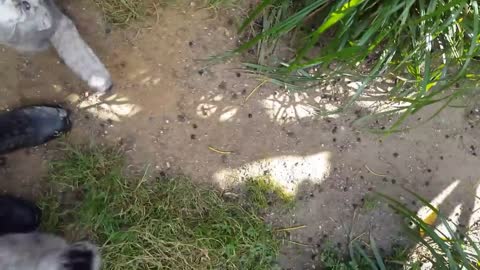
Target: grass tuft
{"points": [[164, 224], [123, 13], [263, 192]]}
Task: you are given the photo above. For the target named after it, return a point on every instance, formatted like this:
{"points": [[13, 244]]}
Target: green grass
{"points": [[428, 48], [161, 224], [124, 13], [263, 192], [361, 256], [218, 3], [331, 259], [370, 203]]}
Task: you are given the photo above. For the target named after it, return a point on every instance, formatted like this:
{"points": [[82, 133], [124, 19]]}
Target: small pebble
{"points": [[181, 118], [222, 85]]}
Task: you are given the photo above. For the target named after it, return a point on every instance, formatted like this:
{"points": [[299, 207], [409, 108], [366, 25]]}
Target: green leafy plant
{"points": [[456, 250], [428, 49], [441, 250], [452, 249]]}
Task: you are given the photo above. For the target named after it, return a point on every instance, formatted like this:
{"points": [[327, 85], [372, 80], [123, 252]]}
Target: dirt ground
{"points": [[172, 111]]}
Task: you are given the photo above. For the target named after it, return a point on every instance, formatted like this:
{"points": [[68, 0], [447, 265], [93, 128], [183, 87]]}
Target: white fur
{"points": [[10, 13], [37, 251], [42, 24], [98, 82]]}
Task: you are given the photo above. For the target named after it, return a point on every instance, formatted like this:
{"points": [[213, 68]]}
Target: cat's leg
{"points": [[79, 56]]}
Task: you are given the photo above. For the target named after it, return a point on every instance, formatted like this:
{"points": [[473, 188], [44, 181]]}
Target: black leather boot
{"points": [[31, 126], [18, 215]]}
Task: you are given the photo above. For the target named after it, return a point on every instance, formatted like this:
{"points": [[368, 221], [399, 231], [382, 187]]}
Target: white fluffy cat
{"points": [[32, 25], [37, 251]]}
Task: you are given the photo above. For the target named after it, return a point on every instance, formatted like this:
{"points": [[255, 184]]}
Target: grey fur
{"points": [[34, 25], [37, 251]]}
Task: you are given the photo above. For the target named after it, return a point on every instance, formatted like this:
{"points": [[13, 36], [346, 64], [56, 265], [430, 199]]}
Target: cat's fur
{"points": [[37, 251], [34, 25]]}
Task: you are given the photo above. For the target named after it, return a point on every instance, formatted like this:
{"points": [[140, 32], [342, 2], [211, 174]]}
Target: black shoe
{"points": [[31, 126], [18, 215]]}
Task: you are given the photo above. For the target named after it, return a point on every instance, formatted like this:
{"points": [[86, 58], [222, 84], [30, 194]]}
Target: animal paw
{"points": [[81, 256], [101, 84]]}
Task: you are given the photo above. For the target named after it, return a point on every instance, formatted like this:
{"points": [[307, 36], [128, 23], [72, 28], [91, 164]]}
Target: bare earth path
{"points": [[167, 109]]}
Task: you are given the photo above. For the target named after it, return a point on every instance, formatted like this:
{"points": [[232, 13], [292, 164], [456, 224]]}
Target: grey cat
{"points": [[34, 25], [38, 251]]}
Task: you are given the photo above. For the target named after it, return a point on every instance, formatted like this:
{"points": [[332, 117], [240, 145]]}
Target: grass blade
{"points": [[345, 8], [376, 252], [255, 13]]}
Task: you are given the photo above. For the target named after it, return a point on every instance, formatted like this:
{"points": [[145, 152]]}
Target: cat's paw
{"points": [[81, 256], [100, 84]]}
